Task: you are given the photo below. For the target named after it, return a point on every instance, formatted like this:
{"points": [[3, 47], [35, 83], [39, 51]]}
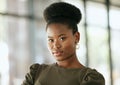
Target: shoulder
{"points": [[93, 77], [36, 66], [32, 74]]}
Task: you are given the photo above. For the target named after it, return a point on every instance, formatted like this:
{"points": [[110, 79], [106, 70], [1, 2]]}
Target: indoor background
{"points": [[23, 37]]}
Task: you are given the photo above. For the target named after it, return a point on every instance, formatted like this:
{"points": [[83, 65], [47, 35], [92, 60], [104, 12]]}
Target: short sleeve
{"points": [[30, 77], [92, 77]]}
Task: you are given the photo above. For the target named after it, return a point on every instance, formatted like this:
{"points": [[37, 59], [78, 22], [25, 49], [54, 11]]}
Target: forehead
{"points": [[57, 29]]}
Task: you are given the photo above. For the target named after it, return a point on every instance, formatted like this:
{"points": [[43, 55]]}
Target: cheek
{"points": [[69, 49], [49, 46], [69, 46]]}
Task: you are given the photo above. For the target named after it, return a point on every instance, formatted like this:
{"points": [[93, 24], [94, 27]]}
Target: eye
{"points": [[50, 40], [62, 38]]}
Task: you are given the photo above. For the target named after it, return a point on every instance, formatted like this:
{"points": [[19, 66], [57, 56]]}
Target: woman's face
{"points": [[61, 41]]}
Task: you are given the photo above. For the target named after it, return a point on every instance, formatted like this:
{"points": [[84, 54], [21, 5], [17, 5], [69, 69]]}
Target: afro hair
{"points": [[62, 10]]}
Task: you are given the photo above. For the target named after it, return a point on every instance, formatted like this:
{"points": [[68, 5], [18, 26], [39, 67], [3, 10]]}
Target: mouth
{"points": [[57, 53]]}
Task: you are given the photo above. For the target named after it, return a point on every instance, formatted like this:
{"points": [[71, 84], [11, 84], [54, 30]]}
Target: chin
{"points": [[59, 58]]}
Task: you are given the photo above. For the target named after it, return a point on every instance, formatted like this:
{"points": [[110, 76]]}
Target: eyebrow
{"points": [[58, 35]]}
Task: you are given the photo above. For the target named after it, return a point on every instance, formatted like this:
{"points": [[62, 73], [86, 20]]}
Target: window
{"points": [[22, 38]]}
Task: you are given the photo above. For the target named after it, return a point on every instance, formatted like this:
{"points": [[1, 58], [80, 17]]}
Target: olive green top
{"points": [[55, 75]]}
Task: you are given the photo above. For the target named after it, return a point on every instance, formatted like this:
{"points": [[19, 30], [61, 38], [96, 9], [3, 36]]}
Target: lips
{"points": [[57, 53]]}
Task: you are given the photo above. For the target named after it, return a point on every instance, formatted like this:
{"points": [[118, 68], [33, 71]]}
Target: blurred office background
{"points": [[23, 39]]}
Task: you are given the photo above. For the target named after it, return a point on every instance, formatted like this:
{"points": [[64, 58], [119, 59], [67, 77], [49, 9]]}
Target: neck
{"points": [[70, 63]]}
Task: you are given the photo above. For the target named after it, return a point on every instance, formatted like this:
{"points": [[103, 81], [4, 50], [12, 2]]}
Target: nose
{"points": [[56, 45]]}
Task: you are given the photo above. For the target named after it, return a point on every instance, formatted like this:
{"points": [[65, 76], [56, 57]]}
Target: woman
{"points": [[62, 35]]}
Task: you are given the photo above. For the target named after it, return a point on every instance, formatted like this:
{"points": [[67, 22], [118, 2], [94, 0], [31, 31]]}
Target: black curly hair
{"points": [[64, 13]]}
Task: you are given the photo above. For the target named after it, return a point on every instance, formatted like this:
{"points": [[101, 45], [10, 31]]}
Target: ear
{"points": [[77, 37]]}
